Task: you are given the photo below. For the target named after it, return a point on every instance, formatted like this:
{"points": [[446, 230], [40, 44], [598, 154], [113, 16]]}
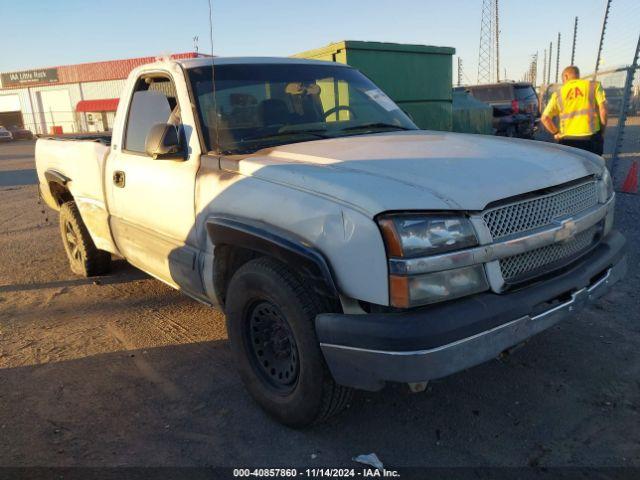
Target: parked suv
{"points": [[515, 107]]}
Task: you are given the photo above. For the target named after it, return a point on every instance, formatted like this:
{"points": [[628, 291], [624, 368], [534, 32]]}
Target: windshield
{"points": [[265, 105]]}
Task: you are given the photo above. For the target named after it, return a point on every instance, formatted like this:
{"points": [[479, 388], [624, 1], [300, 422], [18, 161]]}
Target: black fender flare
{"points": [[53, 176], [280, 244], [56, 185]]}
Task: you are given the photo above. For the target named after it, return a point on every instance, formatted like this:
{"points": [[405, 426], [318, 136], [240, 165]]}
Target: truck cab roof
{"points": [[207, 61]]}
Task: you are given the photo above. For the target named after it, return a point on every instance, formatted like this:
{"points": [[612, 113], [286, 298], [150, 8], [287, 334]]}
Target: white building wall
{"points": [[9, 102], [35, 105], [63, 114]]}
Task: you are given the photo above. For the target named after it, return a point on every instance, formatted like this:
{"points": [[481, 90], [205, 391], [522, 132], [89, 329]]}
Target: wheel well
{"points": [[237, 241], [57, 183], [60, 193], [227, 259]]}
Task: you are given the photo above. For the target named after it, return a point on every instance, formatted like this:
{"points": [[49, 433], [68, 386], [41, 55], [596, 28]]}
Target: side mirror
{"points": [[163, 142]]}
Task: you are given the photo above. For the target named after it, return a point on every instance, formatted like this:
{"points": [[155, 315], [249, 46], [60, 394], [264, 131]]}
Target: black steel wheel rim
{"points": [[272, 346], [73, 242]]}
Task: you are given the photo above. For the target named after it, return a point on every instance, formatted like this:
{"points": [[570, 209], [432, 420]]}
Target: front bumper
{"points": [[365, 351]]}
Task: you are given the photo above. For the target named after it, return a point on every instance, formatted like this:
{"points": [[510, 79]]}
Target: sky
{"points": [[41, 33]]}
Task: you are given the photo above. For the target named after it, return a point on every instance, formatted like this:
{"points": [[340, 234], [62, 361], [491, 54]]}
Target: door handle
{"points": [[118, 178]]}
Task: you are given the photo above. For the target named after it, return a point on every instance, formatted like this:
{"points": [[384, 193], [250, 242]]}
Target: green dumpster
{"points": [[470, 115], [416, 77]]}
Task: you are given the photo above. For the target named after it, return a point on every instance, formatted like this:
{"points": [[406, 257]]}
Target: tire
{"points": [[84, 258], [271, 326]]}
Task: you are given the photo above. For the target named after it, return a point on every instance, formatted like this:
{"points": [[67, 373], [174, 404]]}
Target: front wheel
{"points": [[84, 258], [270, 320]]}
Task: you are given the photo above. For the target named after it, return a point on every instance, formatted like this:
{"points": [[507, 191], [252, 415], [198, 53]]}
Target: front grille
{"points": [[540, 211], [534, 262]]}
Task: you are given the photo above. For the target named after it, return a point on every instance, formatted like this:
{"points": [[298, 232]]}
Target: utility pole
{"points": [[459, 71], [497, 34], [558, 58], [544, 68], [195, 43], [550, 57], [604, 27], [575, 36]]}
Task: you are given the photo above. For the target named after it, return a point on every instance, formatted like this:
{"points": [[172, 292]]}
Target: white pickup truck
{"points": [[346, 247]]}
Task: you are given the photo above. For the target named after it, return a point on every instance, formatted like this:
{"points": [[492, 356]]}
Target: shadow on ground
{"points": [[122, 272], [184, 405]]}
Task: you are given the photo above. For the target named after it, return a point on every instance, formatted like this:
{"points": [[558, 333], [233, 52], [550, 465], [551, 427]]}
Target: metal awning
{"points": [[101, 105]]}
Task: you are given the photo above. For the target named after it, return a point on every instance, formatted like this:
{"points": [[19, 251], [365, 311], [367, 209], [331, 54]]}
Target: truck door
{"points": [[152, 201]]}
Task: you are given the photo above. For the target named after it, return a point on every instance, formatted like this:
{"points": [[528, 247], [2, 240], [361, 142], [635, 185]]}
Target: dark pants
{"points": [[593, 143]]}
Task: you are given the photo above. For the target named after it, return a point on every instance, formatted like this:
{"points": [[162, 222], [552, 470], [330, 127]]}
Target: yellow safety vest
{"points": [[578, 111]]}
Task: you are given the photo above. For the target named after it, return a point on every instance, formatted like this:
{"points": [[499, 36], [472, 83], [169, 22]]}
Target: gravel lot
{"points": [[125, 371]]}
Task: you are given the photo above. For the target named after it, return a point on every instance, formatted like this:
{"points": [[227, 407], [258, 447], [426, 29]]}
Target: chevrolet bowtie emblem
{"points": [[567, 231]]}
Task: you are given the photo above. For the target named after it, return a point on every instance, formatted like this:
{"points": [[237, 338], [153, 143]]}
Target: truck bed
{"points": [[80, 158], [104, 138]]}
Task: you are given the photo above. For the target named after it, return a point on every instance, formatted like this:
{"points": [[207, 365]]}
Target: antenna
{"points": [[213, 81]]}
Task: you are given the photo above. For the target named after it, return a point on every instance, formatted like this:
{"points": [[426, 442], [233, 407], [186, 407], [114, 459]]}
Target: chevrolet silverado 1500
{"points": [[346, 247]]}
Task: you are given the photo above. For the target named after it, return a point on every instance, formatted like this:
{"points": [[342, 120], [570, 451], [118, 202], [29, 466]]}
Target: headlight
{"points": [[605, 186], [419, 235], [411, 291], [410, 236]]}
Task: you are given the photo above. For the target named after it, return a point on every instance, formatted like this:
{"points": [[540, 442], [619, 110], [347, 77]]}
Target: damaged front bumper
{"points": [[365, 351]]}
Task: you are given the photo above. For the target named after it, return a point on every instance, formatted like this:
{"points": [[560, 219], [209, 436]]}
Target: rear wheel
{"points": [[84, 258], [270, 319]]}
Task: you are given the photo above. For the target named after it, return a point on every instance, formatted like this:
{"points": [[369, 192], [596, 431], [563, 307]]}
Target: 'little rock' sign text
{"points": [[28, 77]]}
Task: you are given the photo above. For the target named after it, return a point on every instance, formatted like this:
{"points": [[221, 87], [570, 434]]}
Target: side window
{"points": [[154, 101]]}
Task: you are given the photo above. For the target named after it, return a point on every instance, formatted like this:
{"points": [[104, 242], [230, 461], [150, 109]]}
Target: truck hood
{"points": [[418, 170]]}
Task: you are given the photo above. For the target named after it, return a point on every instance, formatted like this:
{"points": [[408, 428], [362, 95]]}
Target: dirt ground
{"points": [[124, 371]]}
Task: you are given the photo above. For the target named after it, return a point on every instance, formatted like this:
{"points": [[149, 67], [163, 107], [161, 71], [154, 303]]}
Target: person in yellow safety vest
{"points": [[581, 107]]}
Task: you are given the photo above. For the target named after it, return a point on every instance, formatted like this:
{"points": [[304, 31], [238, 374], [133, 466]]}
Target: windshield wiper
{"points": [[375, 125], [311, 133], [301, 129], [253, 144]]}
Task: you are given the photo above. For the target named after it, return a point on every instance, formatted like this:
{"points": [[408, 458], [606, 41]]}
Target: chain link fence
{"points": [[618, 71], [622, 146], [616, 54], [64, 121]]}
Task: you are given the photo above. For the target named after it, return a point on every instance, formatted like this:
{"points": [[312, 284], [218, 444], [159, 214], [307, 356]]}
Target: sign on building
{"points": [[28, 77]]}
